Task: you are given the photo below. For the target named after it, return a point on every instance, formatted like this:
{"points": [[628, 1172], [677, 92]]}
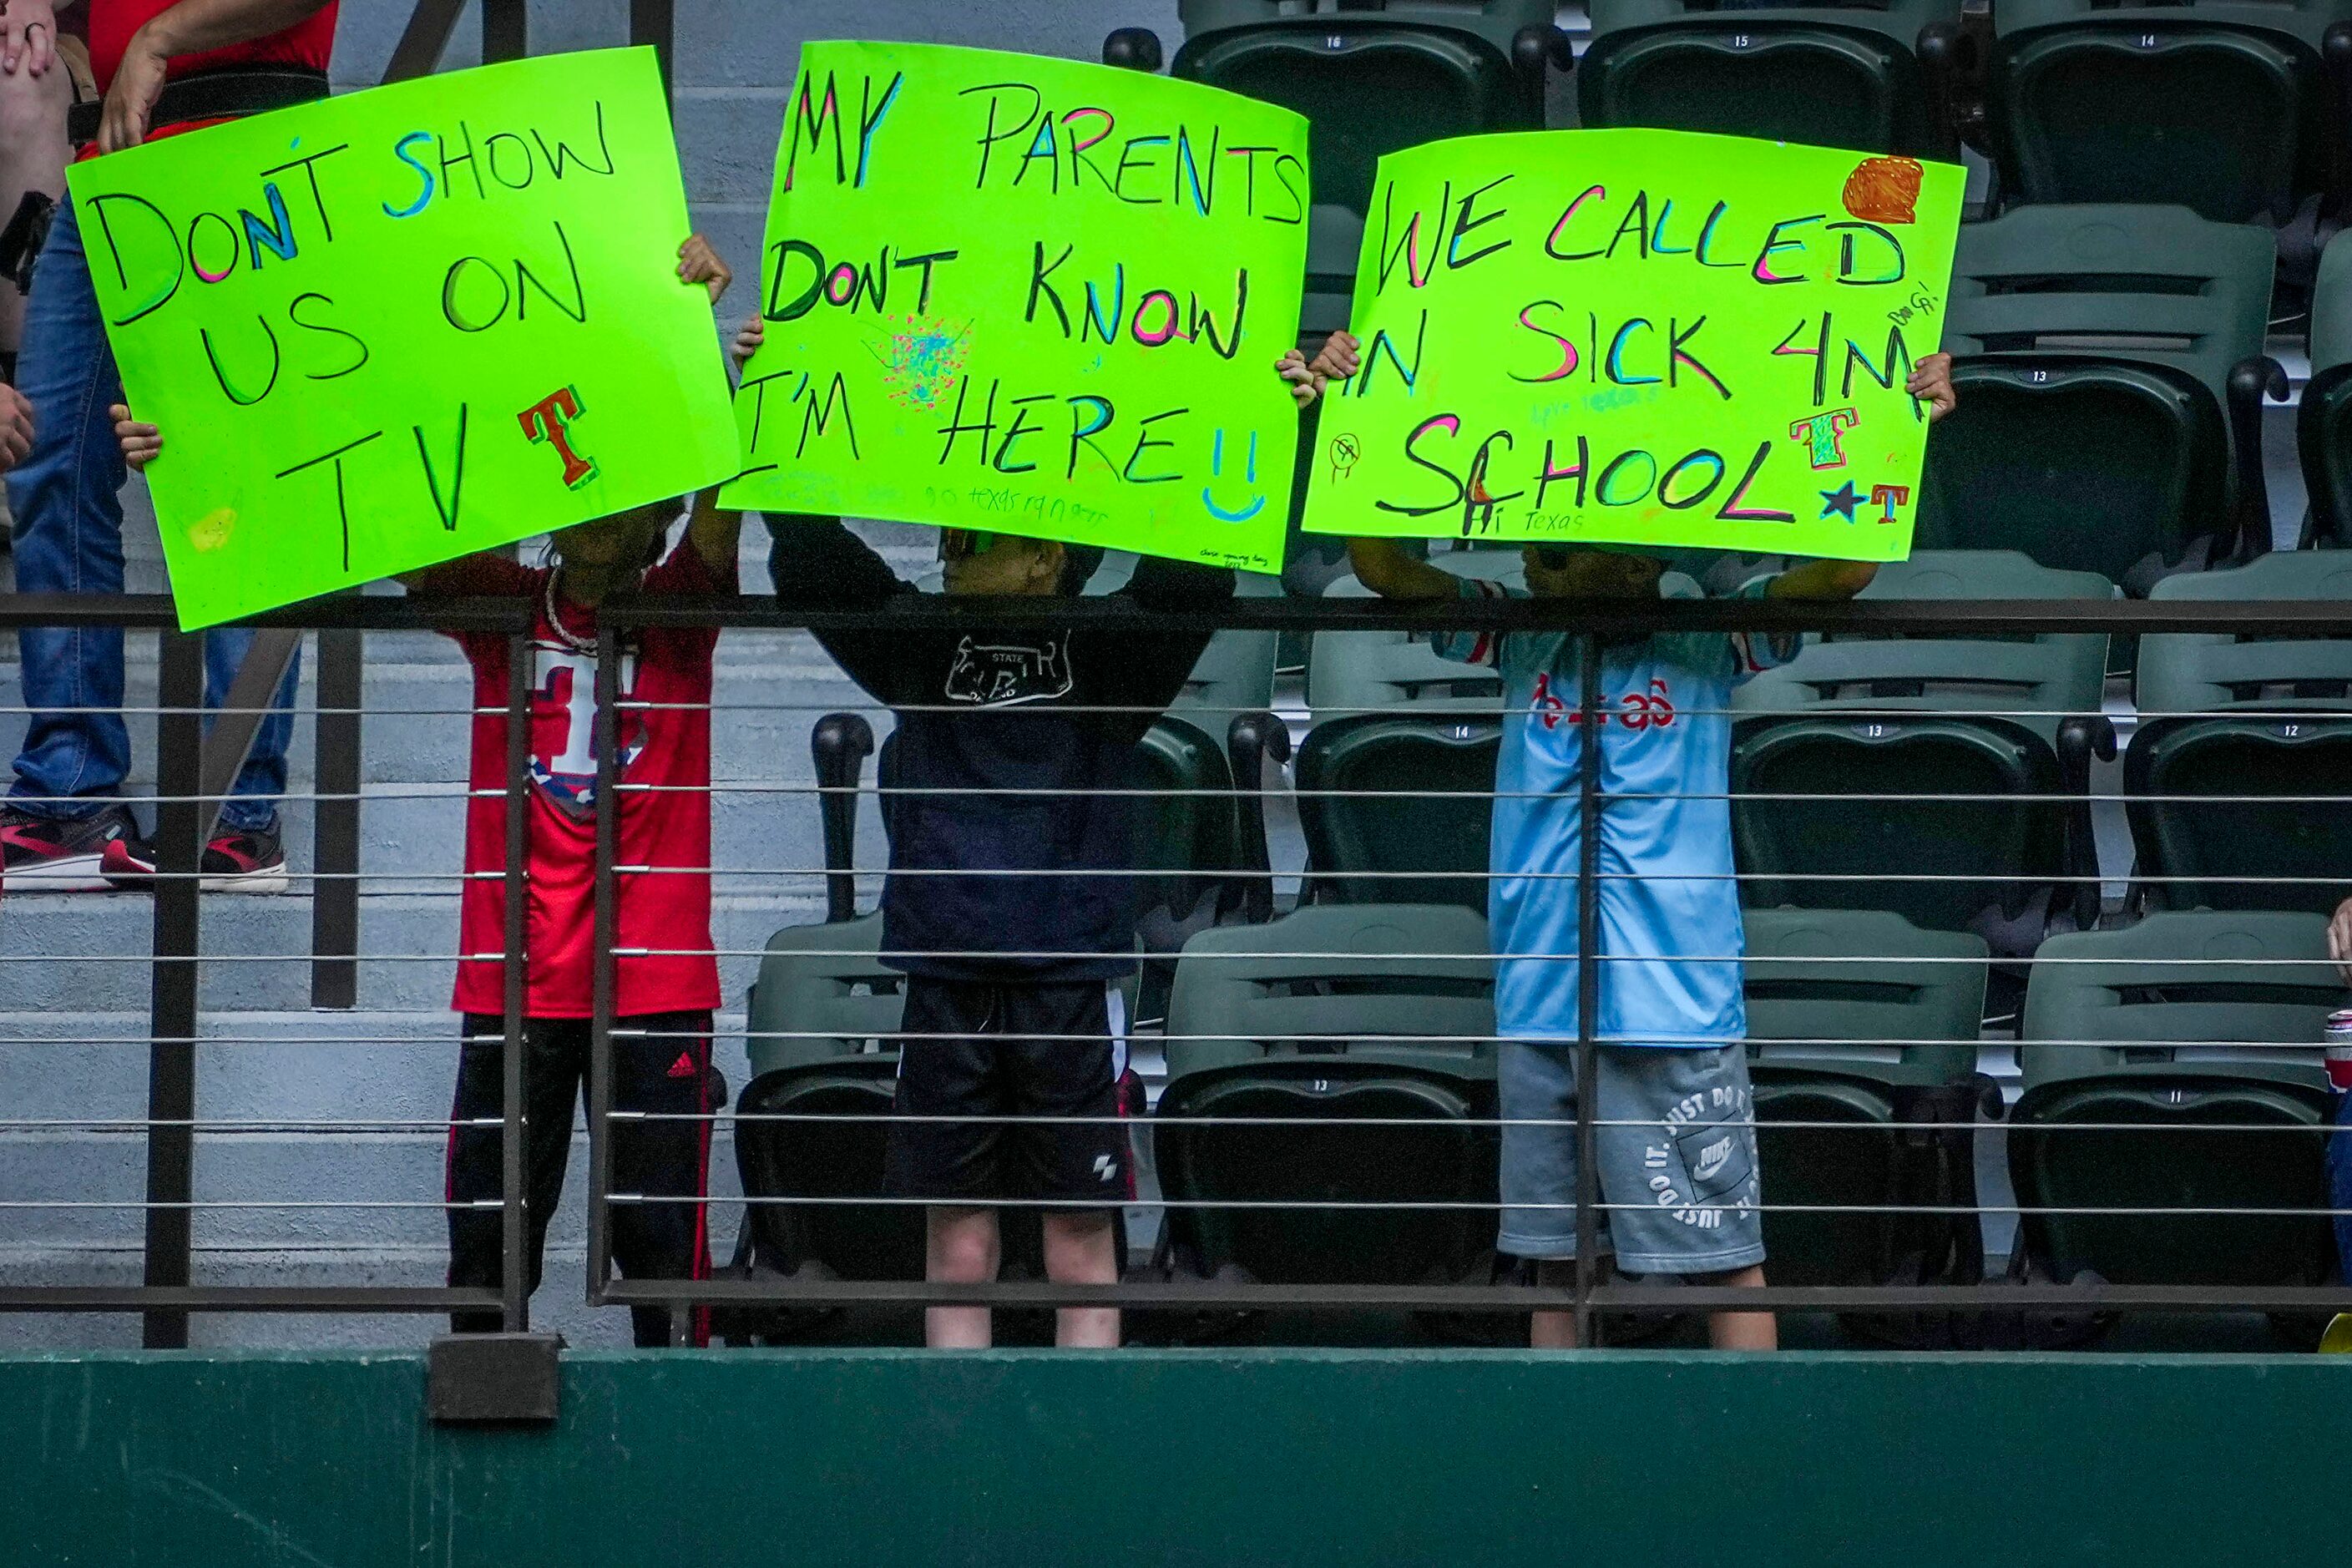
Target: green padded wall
{"points": [[1208, 1457]]}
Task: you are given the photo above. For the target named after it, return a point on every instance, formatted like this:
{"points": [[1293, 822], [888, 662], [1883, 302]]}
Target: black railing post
{"points": [[422, 41], [336, 739], [171, 1050], [506, 30], [514, 1272], [1588, 980], [604, 979], [655, 22]]}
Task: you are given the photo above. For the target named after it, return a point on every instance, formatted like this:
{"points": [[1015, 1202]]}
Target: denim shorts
{"points": [[1677, 1177]]}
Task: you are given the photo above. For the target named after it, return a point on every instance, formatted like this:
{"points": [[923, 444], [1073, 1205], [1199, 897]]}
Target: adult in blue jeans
{"points": [[162, 65]]}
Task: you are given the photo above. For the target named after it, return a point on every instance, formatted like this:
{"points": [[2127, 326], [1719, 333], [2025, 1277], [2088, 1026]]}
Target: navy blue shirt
{"points": [[1006, 744]]}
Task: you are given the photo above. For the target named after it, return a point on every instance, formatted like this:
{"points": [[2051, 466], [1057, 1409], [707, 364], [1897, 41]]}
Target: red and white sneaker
{"points": [[60, 854], [236, 861]]}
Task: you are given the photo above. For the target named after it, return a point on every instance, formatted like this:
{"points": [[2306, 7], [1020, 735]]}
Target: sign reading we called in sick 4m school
{"points": [[1029, 296], [394, 327], [1644, 337]]}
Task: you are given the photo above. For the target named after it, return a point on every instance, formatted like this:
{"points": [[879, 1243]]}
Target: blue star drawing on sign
{"points": [[1840, 501]]}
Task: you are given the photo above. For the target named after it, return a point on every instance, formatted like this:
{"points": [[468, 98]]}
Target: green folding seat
{"points": [[1857, 1021], [1956, 761], [2232, 108], [2322, 430], [1325, 1024], [2111, 375], [1874, 78], [2173, 1068], [1395, 777], [819, 1029], [2263, 724], [1203, 839], [1371, 76]]}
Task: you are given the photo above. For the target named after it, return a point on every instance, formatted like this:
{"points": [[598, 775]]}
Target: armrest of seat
{"points": [[2081, 739], [2336, 54], [839, 743], [1535, 49], [2327, 496], [1249, 741], [1952, 65], [2250, 380], [1132, 48]]}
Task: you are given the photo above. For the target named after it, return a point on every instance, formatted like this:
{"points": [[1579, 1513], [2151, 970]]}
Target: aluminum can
{"points": [[2338, 1039]]}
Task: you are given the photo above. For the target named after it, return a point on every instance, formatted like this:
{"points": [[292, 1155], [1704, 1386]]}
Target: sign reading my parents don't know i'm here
{"points": [[1029, 296], [1641, 337], [400, 325]]}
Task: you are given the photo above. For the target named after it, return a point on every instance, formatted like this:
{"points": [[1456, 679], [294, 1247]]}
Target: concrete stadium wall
{"points": [[1204, 1458]]}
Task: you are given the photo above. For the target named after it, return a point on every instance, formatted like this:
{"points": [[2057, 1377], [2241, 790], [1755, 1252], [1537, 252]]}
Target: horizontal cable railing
{"points": [[1457, 1060]]}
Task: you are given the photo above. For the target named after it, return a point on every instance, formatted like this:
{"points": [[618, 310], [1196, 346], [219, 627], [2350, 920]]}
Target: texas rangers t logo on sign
{"points": [[549, 419]]}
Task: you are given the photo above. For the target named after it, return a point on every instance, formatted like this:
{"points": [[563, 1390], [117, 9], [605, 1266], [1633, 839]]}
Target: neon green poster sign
{"points": [[1647, 337], [394, 327], [1029, 296]]}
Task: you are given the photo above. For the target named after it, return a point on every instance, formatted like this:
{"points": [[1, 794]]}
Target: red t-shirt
{"points": [[661, 745], [310, 42]]}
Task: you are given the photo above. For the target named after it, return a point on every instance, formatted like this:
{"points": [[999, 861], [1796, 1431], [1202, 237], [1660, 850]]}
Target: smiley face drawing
{"points": [[1216, 472]]}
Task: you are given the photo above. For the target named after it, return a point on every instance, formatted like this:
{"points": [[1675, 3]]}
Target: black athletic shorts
{"points": [[1002, 1051]]}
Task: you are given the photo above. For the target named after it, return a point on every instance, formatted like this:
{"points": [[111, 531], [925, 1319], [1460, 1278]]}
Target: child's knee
{"points": [[963, 1245]]}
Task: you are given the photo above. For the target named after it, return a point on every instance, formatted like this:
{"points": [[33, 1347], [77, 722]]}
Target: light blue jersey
{"points": [[1671, 938]]}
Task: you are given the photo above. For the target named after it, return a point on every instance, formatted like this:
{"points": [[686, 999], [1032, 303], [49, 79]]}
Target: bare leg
{"points": [[1742, 1330], [1082, 1248], [1554, 1330], [961, 1249], [32, 158]]}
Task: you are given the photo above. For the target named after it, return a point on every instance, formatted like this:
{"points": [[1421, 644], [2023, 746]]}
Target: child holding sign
{"points": [[1002, 907], [1676, 1142], [668, 988]]}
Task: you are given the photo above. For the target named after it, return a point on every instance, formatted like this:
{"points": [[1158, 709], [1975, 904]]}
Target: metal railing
{"points": [[172, 1122], [201, 767]]}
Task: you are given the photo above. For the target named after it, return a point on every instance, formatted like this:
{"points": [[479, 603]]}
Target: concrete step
{"points": [[87, 954], [255, 1066], [558, 1307], [291, 1190]]}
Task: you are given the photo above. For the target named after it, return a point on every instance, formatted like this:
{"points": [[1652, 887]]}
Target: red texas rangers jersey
{"points": [[664, 743]]}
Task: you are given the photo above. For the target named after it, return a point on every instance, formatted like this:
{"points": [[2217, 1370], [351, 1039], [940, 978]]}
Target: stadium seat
{"points": [[819, 1030], [2322, 430], [1215, 735], [1977, 739], [1395, 777], [1875, 77], [2228, 107], [2241, 717], [2111, 374], [1349, 1014], [2175, 1065], [1862, 1021], [1372, 76]]}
